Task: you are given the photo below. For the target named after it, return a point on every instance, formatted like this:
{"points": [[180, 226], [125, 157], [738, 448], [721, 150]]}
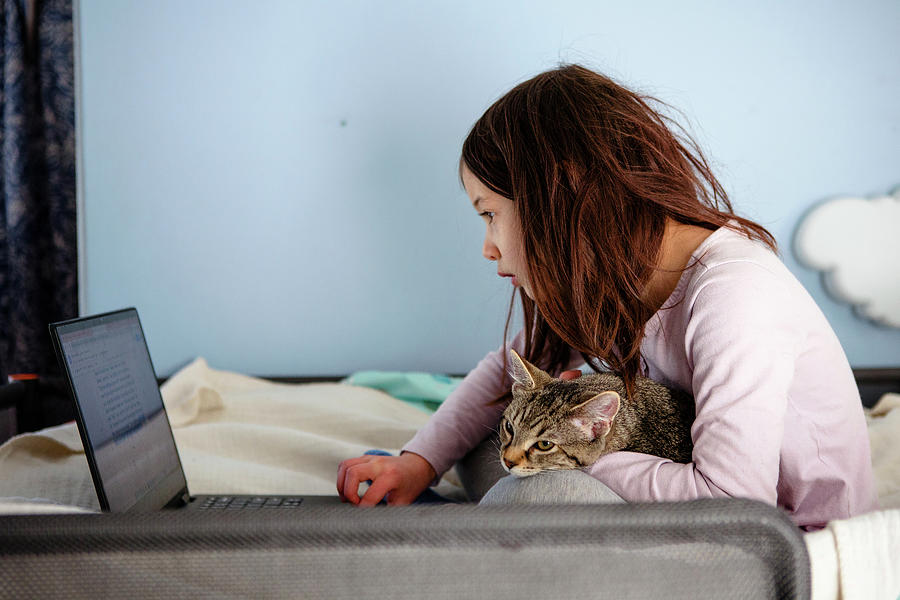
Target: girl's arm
{"points": [[741, 344], [468, 415], [464, 419]]}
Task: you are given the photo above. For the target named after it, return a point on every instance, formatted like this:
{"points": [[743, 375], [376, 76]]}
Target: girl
{"points": [[627, 254]]}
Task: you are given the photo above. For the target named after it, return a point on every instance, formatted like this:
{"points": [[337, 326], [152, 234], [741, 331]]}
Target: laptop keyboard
{"points": [[249, 503]]}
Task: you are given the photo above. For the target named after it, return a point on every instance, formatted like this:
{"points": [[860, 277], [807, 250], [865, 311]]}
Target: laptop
{"points": [[123, 424]]}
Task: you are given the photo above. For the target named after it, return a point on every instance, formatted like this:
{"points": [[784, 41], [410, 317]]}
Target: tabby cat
{"points": [[552, 424]]}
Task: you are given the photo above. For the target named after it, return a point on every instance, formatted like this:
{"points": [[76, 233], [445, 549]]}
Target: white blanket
{"points": [[857, 559], [238, 434], [235, 434]]}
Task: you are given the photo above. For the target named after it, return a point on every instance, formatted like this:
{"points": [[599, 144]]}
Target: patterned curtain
{"points": [[38, 255]]}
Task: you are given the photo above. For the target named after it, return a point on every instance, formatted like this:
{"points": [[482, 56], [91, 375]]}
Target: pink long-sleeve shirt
{"points": [[778, 414]]}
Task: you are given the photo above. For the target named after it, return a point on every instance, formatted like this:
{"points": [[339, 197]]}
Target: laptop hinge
{"points": [[181, 499]]}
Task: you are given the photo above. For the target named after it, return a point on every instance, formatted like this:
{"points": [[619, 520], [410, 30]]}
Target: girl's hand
{"points": [[398, 479], [573, 374]]}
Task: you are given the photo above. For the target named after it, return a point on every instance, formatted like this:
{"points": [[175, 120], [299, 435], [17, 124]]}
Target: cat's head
{"points": [[553, 424]]}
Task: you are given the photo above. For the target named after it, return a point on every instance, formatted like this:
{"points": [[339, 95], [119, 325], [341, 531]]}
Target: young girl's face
{"points": [[503, 233]]}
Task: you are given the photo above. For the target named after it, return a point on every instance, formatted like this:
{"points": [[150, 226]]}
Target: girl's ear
{"points": [[594, 417], [525, 375]]}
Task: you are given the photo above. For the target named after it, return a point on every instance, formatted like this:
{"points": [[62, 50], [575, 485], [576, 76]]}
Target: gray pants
{"points": [[486, 482]]}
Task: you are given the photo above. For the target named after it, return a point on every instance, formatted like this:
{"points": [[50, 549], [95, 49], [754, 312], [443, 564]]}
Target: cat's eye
{"points": [[544, 445], [508, 427]]}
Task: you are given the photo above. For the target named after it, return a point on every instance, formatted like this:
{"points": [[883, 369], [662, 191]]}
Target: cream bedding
{"points": [[238, 434], [235, 434]]}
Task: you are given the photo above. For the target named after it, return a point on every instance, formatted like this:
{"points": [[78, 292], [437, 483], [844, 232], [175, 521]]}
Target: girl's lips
{"points": [[515, 281]]}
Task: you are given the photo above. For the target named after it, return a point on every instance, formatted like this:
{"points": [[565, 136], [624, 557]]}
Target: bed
{"points": [[244, 435]]}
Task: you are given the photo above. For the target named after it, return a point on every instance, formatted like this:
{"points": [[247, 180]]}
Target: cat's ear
{"points": [[594, 417], [526, 374]]}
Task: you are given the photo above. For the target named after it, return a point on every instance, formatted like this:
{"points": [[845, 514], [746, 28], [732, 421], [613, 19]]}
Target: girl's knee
{"points": [[551, 487]]}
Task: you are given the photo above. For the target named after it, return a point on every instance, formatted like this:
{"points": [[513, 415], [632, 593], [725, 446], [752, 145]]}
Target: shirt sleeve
{"points": [[469, 414], [741, 342]]}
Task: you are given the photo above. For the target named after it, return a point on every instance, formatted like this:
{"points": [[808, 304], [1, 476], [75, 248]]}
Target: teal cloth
{"points": [[424, 390]]}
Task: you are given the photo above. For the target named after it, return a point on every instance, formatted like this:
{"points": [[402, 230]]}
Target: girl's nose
{"points": [[489, 250]]}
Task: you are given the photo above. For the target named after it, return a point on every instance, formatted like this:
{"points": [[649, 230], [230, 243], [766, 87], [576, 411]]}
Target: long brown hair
{"points": [[594, 172]]}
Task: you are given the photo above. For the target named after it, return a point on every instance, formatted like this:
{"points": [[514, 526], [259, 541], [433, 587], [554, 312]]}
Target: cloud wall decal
{"points": [[855, 243]]}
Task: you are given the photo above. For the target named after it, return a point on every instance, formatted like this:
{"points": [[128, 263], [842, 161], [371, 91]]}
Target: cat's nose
{"points": [[509, 464]]}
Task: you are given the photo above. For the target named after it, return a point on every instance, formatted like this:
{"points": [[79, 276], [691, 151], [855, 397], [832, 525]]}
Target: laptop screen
{"points": [[123, 424]]}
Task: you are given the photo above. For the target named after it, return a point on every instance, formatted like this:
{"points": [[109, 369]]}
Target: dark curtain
{"points": [[38, 255]]}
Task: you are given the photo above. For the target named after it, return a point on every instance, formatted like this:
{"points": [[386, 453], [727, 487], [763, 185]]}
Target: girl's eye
{"points": [[544, 445], [487, 215]]}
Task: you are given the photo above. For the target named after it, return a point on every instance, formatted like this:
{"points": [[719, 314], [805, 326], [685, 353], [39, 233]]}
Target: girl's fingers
{"points": [[376, 492], [342, 471], [353, 475], [385, 474]]}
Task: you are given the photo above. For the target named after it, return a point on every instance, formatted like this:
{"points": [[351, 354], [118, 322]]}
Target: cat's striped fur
{"points": [[552, 424]]}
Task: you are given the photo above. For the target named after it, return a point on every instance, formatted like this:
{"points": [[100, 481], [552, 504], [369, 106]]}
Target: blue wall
{"points": [[274, 186]]}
